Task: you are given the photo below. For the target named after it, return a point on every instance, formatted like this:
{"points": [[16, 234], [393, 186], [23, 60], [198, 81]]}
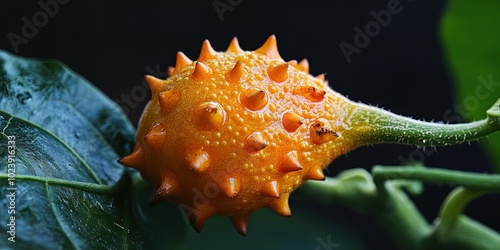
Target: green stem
{"points": [[353, 188], [452, 208], [435, 175], [84, 186], [384, 198], [453, 230], [391, 207], [467, 234], [373, 125], [399, 217]]}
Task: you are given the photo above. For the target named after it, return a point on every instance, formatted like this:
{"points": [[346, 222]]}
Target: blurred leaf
{"points": [[71, 192], [164, 222], [267, 230], [470, 33]]}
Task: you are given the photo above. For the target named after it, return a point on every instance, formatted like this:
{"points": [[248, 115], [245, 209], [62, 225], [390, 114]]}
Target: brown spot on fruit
{"points": [[321, 132], [311, 93]]}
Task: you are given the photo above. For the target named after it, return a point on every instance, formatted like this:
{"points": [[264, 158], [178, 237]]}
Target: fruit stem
{"points": [[475, 181], [452, 208], [374, 125]]}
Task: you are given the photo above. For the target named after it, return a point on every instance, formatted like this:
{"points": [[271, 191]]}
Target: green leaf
{"points": [[267, 230], [70, 192], [470, 37]]}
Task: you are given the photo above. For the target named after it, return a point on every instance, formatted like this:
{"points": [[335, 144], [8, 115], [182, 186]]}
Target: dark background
{"points": [[114, 44]]}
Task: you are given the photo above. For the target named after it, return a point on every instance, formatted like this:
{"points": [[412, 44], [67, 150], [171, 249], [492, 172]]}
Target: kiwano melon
{"points": [[237, 131]]}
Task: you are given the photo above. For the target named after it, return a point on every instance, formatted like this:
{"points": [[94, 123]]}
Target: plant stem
{"points": [[452, 208], [453, 230], [399, 217], [353, 188], [384, 198], [391, 207], [373, 125], [435, 175], [83, 186]]}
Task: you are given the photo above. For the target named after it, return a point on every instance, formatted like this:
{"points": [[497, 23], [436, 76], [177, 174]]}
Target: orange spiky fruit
{"points": [[245, 124], [237, 131]]}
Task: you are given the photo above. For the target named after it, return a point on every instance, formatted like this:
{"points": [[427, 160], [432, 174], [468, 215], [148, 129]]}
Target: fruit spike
{"points": [[240, 222], [321, 77], [234, 47], [231, 187], [198, 217], [271, 189], [156, 137], [255, 142], [254, 99], [304, 66], [290, 162], [154, 83], [207, 52], [197, 160], [168, 100], [168, 187], [315, 174], [270, 48], [247, 128], [181, 61], [280, 205], [234, 75], [170, 71], [201, 71], [291, 122], [208, 116], [135, 159], [278, 73]]}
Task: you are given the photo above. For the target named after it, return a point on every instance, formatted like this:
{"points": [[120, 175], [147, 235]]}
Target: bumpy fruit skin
{"points": [[236, 131]]}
